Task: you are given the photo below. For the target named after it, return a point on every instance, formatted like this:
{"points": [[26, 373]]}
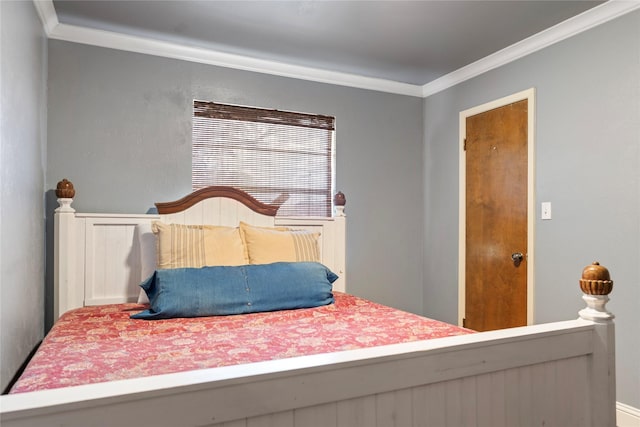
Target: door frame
{"points": [[529, 95]]}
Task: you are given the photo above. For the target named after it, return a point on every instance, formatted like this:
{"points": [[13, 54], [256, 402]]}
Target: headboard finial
{"points": [[65, 190]]}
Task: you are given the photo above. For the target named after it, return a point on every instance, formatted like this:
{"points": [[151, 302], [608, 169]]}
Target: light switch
{"points": [[545, 211]]}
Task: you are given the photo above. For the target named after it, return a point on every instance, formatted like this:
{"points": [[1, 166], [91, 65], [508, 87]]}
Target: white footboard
{"points": [[558, 374]]}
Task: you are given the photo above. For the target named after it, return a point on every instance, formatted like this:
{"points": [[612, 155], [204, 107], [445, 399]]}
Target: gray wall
{"points": [[23, 55], [120, 130], [587, 165]]}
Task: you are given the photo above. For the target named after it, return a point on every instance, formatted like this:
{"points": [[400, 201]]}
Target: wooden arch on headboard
{"points": [[216, 191]]}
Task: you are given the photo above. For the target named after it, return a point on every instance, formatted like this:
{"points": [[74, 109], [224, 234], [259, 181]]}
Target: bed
{"points": [[356, 374]]}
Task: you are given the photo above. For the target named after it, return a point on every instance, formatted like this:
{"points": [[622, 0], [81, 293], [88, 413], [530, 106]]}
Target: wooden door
{"points": [[496, 218]]}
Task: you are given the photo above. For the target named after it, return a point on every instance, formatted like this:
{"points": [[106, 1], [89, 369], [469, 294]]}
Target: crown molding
{"points": [[113, 40], [148, 46], [579, 23], [119, 41], [47, 13]]}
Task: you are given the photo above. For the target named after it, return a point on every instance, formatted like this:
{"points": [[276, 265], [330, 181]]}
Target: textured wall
{"points": [[120, 129], [587, 166], [22, 166]]}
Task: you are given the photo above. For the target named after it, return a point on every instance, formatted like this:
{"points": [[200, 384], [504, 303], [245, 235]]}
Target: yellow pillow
{"points": [[265, 245], [181, 246]]}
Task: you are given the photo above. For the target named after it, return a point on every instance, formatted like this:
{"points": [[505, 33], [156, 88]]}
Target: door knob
{"points": [[517, 258]]}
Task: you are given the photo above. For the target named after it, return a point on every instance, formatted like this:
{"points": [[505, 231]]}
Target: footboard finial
{"points": [[596, 284]]}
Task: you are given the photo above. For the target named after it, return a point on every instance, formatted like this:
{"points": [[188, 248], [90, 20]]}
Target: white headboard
{"points": [[97, 256]]}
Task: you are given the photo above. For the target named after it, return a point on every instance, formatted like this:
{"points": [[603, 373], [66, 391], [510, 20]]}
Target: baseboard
{"points": [[627, 416]]}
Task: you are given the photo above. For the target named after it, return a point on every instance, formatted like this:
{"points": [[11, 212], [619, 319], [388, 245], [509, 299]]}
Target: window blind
{"points": [[279, 157]]}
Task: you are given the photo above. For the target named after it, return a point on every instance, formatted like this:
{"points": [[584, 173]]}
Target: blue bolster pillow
{"points": [[211, 291]]}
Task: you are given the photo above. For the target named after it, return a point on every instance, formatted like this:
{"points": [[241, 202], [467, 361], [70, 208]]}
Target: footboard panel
{"points": [[538, 375], [536, 395]]}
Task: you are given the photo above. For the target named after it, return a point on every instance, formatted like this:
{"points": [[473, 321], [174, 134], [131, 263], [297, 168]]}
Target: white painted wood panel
{"points": [[469, 400], [106, 263], [484, 399], [112, 259], [543, 380], [497, 404], [394, 409], [195, 215], [478, 401], [220, 211], [571, 391], [75, 281], [453, 402], [69, 262], [428, 404], [280, 419], [517, 393], [324, 415], [358, 412]]}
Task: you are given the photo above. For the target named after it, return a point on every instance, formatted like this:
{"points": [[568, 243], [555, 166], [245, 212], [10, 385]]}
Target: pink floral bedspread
{"points": [[101, 343]]}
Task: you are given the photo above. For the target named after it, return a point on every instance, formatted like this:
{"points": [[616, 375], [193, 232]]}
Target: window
{"points": [[278, 157]]}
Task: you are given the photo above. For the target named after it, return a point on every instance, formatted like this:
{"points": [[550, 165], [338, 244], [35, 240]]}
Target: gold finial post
{"points": [[65, 193], [65, 190], [596, 284]]}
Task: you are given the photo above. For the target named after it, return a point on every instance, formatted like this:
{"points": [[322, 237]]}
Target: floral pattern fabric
{"points": [[101, 343]]}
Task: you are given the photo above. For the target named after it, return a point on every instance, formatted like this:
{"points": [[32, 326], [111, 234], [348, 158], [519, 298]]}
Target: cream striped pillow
{"points": [[265, 245], [181, 246]]}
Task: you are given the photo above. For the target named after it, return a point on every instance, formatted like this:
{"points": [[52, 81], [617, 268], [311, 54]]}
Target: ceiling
{"points": [[412, 42]]}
